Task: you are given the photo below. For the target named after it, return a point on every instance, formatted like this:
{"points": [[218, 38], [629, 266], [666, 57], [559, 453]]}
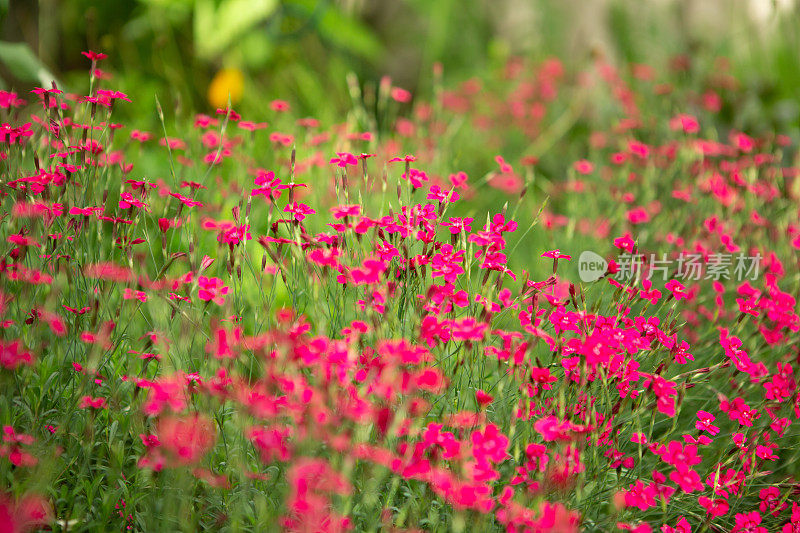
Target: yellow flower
{"points": [[228, 81]]}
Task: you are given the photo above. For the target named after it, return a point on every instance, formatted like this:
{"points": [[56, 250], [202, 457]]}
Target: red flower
{"points": [[31, 512], [12, 355], [94, 56], [483, 398]]}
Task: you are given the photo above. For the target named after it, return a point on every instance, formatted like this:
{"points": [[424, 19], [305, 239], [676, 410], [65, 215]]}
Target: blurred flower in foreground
{"points": [[228, 81]]}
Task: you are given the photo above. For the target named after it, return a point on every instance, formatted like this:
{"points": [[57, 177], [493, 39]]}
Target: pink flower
{"points": [[681, 457], [556, 254], [458, 225], [299, 210], [647, 294], [342, 211], [625, 243], [12, 355], [94, 56], [87, 402], [687, 123], [490, 443], [715, 507], [434, 437], [468, 329], [765, 452], [446, 263], [483, 398], [704, 422], [28, 513], [638, 215], [583, 167], [188, 438], [676, 288], [400, 95], [459, 181], [279, 105], [211, 289], [665, 392], [344, 159], [440, 195], [639, 149], [272, 442], [741, 412], [744, 142], [130, 294], [749, 523]]}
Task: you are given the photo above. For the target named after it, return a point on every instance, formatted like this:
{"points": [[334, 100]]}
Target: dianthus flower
{"points": [[211, 289]]}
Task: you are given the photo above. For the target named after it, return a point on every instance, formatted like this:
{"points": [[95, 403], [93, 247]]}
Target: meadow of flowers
{"points": [[273, 323]]}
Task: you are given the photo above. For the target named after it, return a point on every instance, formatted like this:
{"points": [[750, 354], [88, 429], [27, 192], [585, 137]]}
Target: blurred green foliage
{"points": [[303, 50]]}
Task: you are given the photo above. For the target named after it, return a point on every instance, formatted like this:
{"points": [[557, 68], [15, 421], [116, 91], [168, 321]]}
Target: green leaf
{"points": [[216, 28], [23, 63]]}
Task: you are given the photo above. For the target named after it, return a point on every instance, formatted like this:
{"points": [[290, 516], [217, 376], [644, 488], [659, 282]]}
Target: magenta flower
{"points": [[556, 254], [299, 210], [94, 56], [211, 289], [343, 159], [583, 167], [341, 211], [704, 422], [677, 289], [400, 95]]}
